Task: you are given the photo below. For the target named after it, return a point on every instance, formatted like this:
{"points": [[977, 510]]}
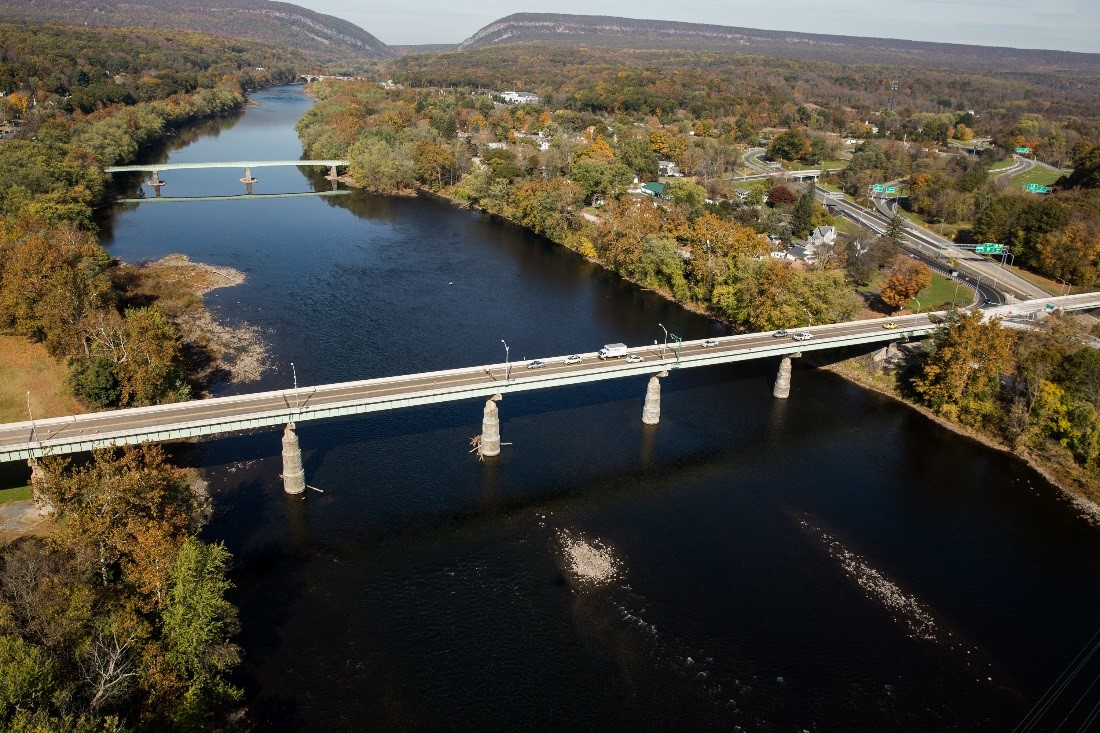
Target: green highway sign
{"points": [[891, 189], [989, 248], [1037, 188], [878, 188], [1023, 151]]}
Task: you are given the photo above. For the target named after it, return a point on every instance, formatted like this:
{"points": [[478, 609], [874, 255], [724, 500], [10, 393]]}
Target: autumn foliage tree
{"points": [[961, 378], [118, 620], [906, 278]]}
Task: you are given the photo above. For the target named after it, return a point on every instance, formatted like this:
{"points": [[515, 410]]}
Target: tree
{"points": [[198, 623], [433, 162], [907, 278], [792, 144], [802, 216], [961, 378], [780, 195], [151, 372]]}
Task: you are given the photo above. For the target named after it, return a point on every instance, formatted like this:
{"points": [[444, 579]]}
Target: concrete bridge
{"points": [[33, 439], [156, 168]]}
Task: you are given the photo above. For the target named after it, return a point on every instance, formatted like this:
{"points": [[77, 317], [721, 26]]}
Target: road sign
{"points": [[989, 248], [1023, 151], [878, 188], [891, 189], [1037, 188]]}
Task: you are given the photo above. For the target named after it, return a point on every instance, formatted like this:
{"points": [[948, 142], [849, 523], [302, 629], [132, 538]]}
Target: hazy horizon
{"points": [[1063, 25]]}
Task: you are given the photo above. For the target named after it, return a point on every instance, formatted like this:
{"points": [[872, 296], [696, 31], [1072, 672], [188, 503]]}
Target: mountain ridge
{"points": [[256, 20], [666, 34]]}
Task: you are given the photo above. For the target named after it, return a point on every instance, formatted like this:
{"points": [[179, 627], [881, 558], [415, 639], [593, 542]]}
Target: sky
{"points": [[1066, 25]]}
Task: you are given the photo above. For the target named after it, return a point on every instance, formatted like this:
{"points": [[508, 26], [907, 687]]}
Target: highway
{"points": [[245, 412]]}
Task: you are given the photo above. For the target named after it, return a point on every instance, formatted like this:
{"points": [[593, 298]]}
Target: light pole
{"points": [[507, 363], [295, 373], [1066, 291], [666, 340], [918, 303], [30, 414]]}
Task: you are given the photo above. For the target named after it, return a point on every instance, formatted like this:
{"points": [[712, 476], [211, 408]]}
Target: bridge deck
{"points": [[245, 412], [150, 167]]}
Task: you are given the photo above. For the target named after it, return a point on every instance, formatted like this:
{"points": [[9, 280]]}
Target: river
{"points": [[833, 562]]}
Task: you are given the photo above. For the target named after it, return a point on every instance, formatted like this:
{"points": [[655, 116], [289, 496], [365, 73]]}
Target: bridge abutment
{"points": [[38, 485], [294, 475], [490, 428], [782, 389]]}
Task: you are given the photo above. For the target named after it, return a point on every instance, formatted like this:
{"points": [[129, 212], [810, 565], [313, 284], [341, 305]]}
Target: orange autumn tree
{"points": [[907, 278]]}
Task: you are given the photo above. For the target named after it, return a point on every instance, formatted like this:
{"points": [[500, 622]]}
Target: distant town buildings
{"points": [[668, 168], [519, 97]]}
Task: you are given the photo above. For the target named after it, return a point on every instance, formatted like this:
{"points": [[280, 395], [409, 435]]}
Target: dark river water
{"points": [[834, 562]]}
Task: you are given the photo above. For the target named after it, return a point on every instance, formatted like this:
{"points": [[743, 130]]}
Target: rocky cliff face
{"points": [[258, 20]]}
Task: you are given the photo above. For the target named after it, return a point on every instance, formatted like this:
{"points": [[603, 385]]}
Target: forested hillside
{"points": [[763, 91], [331, 40]]}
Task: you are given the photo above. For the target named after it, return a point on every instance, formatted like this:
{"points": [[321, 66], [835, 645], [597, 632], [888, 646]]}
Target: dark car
{"points": [[780, 334]]}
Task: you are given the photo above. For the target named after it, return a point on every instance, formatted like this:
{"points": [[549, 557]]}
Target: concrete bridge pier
{"points": [[490, 428], [332, 174], [782, 388], [294, 475], [651, 409], [155, 182], [248, 177], [38, 483]]}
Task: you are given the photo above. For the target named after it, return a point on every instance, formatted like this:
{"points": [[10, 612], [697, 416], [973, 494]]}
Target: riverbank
{"points": [[1070, 479], [215, 351]]}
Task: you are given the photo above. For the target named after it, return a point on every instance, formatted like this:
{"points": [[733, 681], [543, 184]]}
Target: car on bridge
{"points": [[536, 364], [573, 359], [889, 324], [634, 359], [779, 334], [710, 342], [802, 336]]}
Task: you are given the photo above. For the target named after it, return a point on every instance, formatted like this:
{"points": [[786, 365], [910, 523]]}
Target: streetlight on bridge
{"points": [[507, 363], [666, 339]]}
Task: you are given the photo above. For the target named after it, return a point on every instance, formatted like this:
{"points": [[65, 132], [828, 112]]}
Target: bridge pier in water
{"points": [[294, 475], [782, 389], [651, 409], [155, 182], [490, 428]]}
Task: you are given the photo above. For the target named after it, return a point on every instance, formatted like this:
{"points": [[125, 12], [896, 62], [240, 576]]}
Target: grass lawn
{"points": [[1000, 165], [26, 366], [1051, 286], [20, 493], [940, 294], [1038, 174], [846, 226]]}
